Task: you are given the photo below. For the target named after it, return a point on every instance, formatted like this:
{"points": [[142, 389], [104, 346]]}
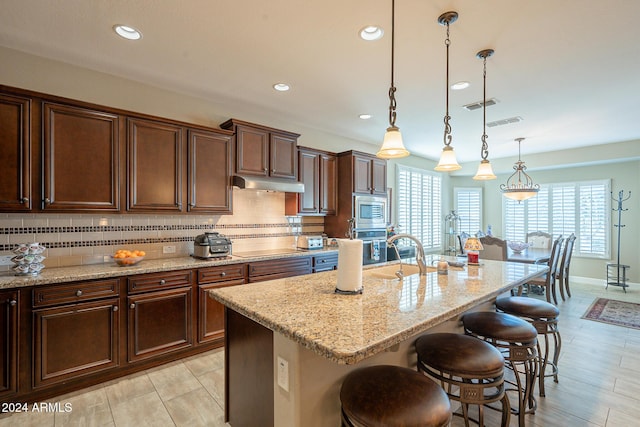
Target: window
{"points": [[420, 205], [561, 209], [468, 206]]}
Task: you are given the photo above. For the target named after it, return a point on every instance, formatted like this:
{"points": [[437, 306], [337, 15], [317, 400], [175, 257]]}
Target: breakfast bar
{"points": [[290, 342]]}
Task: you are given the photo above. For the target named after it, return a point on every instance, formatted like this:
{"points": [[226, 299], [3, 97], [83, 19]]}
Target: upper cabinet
{"points": [[15, 153], [80, 159], [368, 173], [318, 171], [263, 151]]}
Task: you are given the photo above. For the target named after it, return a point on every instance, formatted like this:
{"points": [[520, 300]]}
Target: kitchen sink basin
{"points": [[389, 271]]}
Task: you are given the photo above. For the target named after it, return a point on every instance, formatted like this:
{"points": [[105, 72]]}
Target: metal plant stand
{"points": [[616, 272], [451, 226]]}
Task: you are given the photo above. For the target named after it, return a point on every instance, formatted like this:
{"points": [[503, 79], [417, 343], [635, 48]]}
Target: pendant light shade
{"points": [[392, 146], [485, 171], [519, 185], [448, 160]]}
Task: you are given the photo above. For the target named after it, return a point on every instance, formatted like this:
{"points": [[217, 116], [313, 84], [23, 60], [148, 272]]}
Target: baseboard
{"points": [[592, 281]]}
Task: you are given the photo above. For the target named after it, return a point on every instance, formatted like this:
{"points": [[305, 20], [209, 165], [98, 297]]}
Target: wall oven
{"points": [[370, 212]]}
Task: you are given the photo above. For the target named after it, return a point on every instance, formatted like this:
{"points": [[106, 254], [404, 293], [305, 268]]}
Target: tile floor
{"points": [[599, 383]]}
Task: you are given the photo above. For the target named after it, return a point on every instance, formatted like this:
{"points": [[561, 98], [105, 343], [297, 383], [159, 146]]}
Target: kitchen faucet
{"points": [[419, 255]]}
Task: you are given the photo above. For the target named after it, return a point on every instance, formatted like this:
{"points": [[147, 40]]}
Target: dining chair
{"points": [[563, 267], [494, 248], [539, 239], [548, 281], [462, 239]]}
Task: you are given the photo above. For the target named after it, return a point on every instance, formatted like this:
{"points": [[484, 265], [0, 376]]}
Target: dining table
{"points": [[529, 255]]}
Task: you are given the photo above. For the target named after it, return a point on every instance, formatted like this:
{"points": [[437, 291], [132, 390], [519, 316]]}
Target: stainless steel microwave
{"points": [[370, 212]]}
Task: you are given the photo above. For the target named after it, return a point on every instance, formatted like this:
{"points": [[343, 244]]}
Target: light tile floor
{"points": [[599, 383]]}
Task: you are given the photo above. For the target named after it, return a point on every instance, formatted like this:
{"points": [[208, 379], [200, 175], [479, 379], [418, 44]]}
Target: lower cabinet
{"points": [[9, 343], [279, 268]]}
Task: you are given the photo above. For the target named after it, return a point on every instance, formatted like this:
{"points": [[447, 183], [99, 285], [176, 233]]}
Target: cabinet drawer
{"points": [[157, 281], [225, 272], [279, 268], [74, 292]]}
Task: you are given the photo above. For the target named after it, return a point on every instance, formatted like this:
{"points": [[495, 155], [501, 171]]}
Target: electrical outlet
{"points": [[283, 373], [169, 249], [6, 260]]}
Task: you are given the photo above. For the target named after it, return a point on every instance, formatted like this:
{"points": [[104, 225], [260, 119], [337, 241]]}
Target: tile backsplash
{"points": [[258, 223]]}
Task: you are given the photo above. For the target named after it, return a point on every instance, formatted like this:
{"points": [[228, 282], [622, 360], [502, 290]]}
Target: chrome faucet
{"points": [[419, 255]]}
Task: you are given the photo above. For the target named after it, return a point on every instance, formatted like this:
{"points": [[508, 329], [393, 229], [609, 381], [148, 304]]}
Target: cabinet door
{"points": [[74, 340], [15, 153], [159, 323], [252, 151], [81, 159], [328, 184], [362, 174], [9, 342], [154, 158], [209, 171], [211, 312], [309, 176], [379, 176], [284, 156]]}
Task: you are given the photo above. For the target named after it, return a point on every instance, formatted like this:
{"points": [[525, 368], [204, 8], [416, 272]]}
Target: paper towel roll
{"points": [[349, 265]]}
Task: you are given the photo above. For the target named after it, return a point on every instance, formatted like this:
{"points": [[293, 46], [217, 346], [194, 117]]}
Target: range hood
{"points": [[269, 184]]}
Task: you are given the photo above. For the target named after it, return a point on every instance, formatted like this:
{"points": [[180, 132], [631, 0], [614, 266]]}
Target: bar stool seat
{"points": [[386, 395], [544, 317], [470, 370], [517, 341]]}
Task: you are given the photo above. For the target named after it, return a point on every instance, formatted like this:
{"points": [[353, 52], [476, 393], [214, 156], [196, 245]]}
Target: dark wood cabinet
{"points": [[369, 174], [209, 171], [210, 311], [9, 328], [154, 166], [75, 330], [261, 271], [263, 151], [160, 315], [318, 171], [15, 153], [325, 262], [80, 159]]}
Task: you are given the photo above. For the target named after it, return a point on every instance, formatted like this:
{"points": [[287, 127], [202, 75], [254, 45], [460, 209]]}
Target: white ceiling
{"points": [[570, 68]]}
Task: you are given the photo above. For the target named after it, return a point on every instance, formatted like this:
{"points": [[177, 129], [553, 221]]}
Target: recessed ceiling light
{"points": [[127, 32], [281, 87], [365, 116], [371, 32], [460, 85]]}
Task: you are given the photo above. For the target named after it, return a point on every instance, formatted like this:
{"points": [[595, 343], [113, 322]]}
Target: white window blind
{"points": [[561, 209], [468, 206], [420, 205]]}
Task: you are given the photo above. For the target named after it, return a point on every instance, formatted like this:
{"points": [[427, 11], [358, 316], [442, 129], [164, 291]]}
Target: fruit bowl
{"points": [[127, 258], [518, 247]]}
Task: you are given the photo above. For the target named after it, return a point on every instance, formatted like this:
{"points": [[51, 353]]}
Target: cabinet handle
{"points": [[273, 171], [25, 200], [133, 305], [79, 293], [47, 201], [13, 302], [162, 281], [223, 274], [115, 308], [193, 205]]}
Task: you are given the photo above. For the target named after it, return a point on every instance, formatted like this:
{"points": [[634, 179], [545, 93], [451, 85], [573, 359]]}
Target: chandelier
{"points": [[519, 185]]}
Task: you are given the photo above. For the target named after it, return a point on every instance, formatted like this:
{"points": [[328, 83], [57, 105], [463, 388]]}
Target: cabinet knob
{"points": [[79, 293], [266, 170], [193, 205], [179, 205], [162, 281], [12, 302], [273, 171], [25, 200], [47, 201], [115, 308], [223, 274], [133, 305]]}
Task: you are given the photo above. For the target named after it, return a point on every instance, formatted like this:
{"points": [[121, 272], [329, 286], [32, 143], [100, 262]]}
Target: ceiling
{"points": [[570, 69]]}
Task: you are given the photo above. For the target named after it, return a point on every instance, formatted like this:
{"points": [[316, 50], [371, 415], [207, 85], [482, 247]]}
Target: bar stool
{"points": [[544, 317], [386, 395], [517, 341], [470, 370]]}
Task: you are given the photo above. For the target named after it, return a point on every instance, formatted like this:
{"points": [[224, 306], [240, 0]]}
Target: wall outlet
{"points": [[169, 249], [283, 373], [6, 260]]}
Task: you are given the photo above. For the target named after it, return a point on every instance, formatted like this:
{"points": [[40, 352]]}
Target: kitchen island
{"points": [[290, 342]]}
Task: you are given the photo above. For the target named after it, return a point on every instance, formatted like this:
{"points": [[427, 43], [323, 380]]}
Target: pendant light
{"points": [[392, 146], [485, 171], [448, 160], [519, 186]]}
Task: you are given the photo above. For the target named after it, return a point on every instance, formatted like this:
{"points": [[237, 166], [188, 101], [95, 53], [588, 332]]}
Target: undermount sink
{"points": [[389, 271]]}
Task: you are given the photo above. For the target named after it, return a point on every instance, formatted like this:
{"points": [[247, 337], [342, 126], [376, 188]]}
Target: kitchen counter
{"points": [[100, 271], [322, 336]]}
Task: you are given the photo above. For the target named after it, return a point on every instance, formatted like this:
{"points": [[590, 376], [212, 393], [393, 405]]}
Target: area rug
{"points": [[614, 312]]}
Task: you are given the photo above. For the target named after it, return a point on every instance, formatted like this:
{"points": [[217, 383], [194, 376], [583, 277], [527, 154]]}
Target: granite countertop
{"points": [[349, 328], [100, 271]]}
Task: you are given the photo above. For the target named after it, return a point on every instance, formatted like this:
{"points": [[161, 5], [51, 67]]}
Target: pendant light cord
{"points": [[484, 152], [447, 126], [392, 88]]}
